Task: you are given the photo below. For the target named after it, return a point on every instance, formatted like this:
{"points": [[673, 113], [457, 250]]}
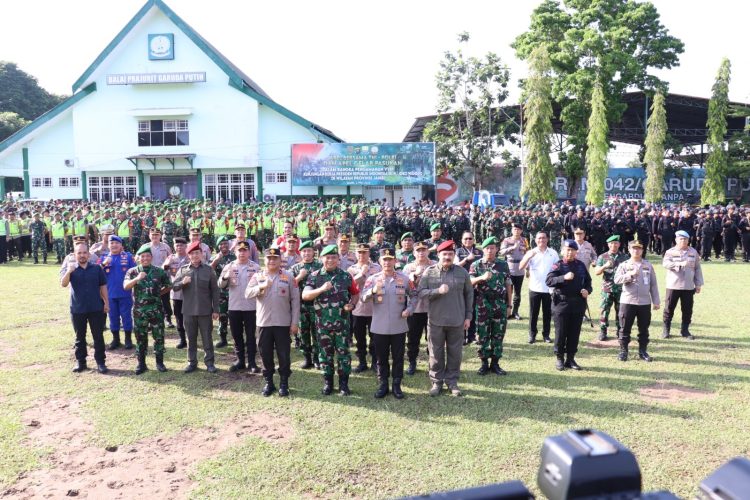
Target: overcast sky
{"points": [[364, 70]]}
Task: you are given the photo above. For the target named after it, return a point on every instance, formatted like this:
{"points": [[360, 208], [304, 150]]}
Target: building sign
{"points": [[390, 164], [161, 46], [156, 78]]}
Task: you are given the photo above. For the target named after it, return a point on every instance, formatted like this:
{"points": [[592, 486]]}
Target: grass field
{"points": [[361, 447]]}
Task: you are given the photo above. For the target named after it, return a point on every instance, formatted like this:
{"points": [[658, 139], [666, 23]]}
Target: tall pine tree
{"points": [[540, 174], [656, 137], [716, 164], [597, 148]]}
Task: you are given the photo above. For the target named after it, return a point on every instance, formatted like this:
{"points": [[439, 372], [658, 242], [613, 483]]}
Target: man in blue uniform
{"points": [[115, 264]]}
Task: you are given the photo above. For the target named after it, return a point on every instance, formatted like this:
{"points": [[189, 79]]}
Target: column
{"points": [[26, 180], [199, 187]]}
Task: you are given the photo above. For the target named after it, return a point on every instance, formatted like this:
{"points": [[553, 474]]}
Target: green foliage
{"points": [[712, 191], [10, 123], [614, 42], [540, 174], [21, 94], [597, 148], [738, 146], [655, 141], [472, 126]]}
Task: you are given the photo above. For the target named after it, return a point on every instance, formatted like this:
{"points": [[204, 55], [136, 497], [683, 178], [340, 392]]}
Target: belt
{"points": [[514, 261]]}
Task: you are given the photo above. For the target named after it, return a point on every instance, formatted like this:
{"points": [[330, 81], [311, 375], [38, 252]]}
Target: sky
{"points": [[364, 70]]}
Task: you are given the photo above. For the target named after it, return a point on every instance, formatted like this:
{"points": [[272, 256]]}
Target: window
{"points": [[276, 177], [237, 188], [41, 182], [163, 133], [110, 188], [281, 177], [74, 182]]}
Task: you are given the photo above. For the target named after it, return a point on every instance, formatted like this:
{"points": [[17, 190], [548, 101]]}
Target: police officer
{"points": [[571, 285], [684, 280], [513, 248]]}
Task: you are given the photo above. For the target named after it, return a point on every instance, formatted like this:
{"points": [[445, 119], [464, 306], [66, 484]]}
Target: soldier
{"points": [[405, 254], [417, 321], [450, 294], [116, 263], [277, 297], [744, 228], [169, 229], [219, 262], [730, 233], [571, 285], [492, 291], [513, 249], [38, 231], [148, 284], [706, 233], [175, 262], [195, 237], [393, 300], [362, 313], [347, 258], [391, 227], [328, 238], [435, 240], [235, 277], [606, 266], [362, 227], [378, 236], [684, 280], [161, 252], [307, 339], [334, 293], [639, 292]]}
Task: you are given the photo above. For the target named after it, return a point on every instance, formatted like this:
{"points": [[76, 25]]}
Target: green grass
{"points": [[359, 446]]}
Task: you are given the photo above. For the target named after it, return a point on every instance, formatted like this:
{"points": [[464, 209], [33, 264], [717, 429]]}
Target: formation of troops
{"points": [[337, 273]]}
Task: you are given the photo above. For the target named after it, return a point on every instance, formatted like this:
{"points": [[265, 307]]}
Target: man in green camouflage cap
{"points": [[148, 284]]}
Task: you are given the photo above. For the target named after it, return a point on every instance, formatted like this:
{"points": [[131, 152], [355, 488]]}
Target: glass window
{"points": [[169, 126], [118, 181], [270, 177], [163, 133], [62, 182], [210, 178], [36, 182], [281, 177], [157, 125], [144, 126], [74, 182], [170, 138], [236, 178], [144, 139], [47, 182], [93, 181], [223, 178], [182, 138], [106, 181], [248, 177]]}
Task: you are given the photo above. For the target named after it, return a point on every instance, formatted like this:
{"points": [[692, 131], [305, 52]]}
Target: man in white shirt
{"points": [[538, 263]]}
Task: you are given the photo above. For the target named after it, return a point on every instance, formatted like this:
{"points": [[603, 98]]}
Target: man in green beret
{"points": [[307, 339], [378, 236], [435, 240], [606, 267], [405, 254], [148, 284]]}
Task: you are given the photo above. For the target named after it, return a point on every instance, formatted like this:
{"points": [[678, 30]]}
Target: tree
{"points": [[656, 137], [540, 174], [597, 148], [614, 42], [712, 191], [21, 94], [471, 127], [10, 123]]}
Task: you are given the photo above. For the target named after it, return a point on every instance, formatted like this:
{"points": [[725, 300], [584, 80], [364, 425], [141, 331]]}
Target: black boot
{"points": [[571, 363], [642, 351], [183, 342], [36, 260], [685, 332], [237, 365], [252, 365], [141, 368], [222, 340], [327, 385], [374, 365], [603, 335], [128, 340], [80, 366], [284, 387], [495, 367], [483, 368], [344, 385], [115, 341], [45, 260], [397, 392], [382, 388], [665, 330], [412, 369], [623, 356], [160, 363], [307, 363], [362, 366], [559, 363], [269, 388]]}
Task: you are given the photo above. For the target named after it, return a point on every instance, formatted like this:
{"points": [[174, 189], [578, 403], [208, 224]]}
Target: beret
{"points": [[614, 237], [115, 238], [446, 246], [330, 250], [196, 245], [144, 249], [406, 235], [378, 229], [489, 241], [435, 226], [221, 240], [682, 234], [571, 244], [306, 244]]}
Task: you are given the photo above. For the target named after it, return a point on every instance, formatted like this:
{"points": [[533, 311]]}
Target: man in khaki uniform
{"points": [[684, 280]]}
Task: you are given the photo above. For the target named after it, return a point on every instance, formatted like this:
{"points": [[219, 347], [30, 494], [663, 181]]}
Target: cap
{"points": [[330, 250], [448, 246], [406, 235], [195, 230], [344, 237], [387, 253], [420, 244], [154, 230], [572, 244], [435, 226], [306, 244], [681, 234], [106, 228], [239, 226], [144, 249], [489, 241], [82, 239], [196, 245], [115, 238], [292, 237], [272, 252], [635, 244], [363, 247], [180, 240], [614, 237]]}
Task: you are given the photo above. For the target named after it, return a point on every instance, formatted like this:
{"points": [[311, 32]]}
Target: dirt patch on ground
{"points": [[744, 366], [603, 344], [152, 468], [663, 392]]}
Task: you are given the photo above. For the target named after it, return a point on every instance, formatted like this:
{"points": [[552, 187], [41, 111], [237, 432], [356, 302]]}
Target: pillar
{"points": [[199, 188], [259, 184], [84, 186], [26, 180]]}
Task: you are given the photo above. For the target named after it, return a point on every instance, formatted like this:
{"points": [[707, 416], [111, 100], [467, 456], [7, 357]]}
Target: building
{"points": [[162, 113]]}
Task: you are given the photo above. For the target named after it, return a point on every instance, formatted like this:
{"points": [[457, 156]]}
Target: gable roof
{"points": [[237, 78]]}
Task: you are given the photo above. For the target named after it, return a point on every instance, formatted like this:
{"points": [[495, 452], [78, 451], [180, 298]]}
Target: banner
{"points": [[341, 164]]}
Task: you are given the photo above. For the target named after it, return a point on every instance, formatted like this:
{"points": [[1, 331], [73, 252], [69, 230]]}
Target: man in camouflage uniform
{"points": [[554, 227], [58, 227], [307, 339], [606, 266], [170, 230], [492, 291], [148, 284], [38, 230], [334, 293], [218, 264], [406, 253], [378, 236], [362, 227]]}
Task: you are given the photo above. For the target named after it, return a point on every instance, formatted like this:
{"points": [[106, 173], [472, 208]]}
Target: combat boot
{"points": [[484, 368], [396, 389], [603, 335], [160, 363], [327, 385], [559, 363], [382, 388], [183, 342], [284, 387], [252, 366], [495, 367], [665, 330], [344, 385], [80, 366], [412, 369], [571, 363], [644, 355], [115, 341], [128, 340], [141, 368], [36, 260], [362, 366], [44, 261], [237, 365], [623, 355], [307, 363], [685, 332], [222, 341], [269, 388]]}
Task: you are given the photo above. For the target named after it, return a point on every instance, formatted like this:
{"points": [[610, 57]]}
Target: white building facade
{"points": [[162, 113]]}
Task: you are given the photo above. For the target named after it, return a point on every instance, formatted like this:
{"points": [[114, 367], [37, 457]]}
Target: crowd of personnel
{"points": [[337, 273]]}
